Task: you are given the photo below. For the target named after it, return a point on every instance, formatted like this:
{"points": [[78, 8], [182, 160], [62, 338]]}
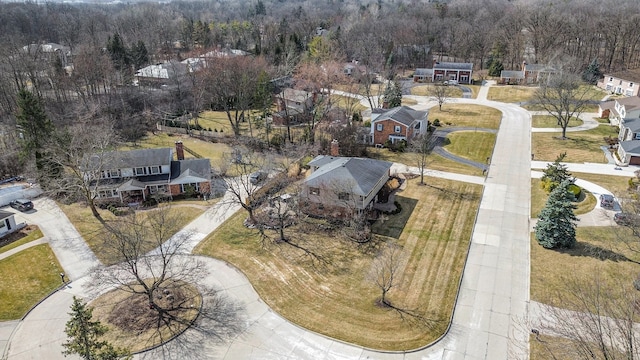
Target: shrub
{"points": [[575, 190], [436, 122]]}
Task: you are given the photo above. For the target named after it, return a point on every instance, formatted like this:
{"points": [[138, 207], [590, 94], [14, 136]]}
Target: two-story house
{"points": [[342, 186], [445, 71], [399, 123], [292, 105], [134, 176], [629, 142], [619, 110], [625, 83], [528, 74]]}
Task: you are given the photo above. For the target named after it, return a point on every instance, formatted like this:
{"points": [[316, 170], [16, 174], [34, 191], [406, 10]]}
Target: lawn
{"points": [[539, 196], [93, 232], [27, 277], [26, 235], [466, 115], [434, 161], [424, 90], [581, 146], [472, 145], [213, 151], [334, 298], [347, 103], [548, 121], [511, 93], [616, 184]]}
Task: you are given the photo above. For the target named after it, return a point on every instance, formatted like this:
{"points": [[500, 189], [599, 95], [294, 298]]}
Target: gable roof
{"points": [[512, 74], [539, 68], [630, 102], [453, 66], [423, 72], [163, 71], [631, 147], [134, 158], [295, 95], [402, 114], [632, 124], [5, 214], [609, 104], [190, 171], [360, 175], [629, 75]]}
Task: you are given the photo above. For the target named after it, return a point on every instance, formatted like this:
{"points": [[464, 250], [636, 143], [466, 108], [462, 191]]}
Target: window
{"points": [[140, 171], [314, 191], [379, 127], [107, 193], [185, 187], [114, 173], [155, 169], [628, 92], [343, 196], [2, 224], [417, 126], [610, 79], [397, 128], [637, 136]]}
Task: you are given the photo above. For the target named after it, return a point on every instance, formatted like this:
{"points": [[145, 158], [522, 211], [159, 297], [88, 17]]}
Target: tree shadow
{"points": [[410, 316], [594, 251], [393, 225]]}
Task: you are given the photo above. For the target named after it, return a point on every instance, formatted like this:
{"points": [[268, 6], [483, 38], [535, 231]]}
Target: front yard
{"points": [[329, 293], [582, 146]]}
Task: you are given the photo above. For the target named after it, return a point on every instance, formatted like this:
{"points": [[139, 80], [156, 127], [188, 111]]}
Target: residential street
{"points": [[490, 315]]}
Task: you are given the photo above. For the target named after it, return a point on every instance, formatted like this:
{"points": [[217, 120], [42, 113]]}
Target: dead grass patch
{"points": [[425, 90], [581, 146], [134, 326], [548, 121], [466, 115], [335, 299], [511, 93]]}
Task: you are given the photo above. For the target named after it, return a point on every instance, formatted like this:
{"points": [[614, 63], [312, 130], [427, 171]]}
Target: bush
{"points": [[436, 122], [575, 190]]}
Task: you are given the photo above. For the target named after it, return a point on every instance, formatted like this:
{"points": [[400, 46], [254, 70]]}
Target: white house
{"points": [[8, 223]]}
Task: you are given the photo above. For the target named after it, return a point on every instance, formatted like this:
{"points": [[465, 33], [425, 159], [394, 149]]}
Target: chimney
{"points": [[179, 150], [335, 148]]}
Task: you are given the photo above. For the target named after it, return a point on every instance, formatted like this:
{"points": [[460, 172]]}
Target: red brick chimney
{"points": [[335, 148], [179, 150]]}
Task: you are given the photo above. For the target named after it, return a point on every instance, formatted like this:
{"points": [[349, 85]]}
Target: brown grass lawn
{"points": [[548, 121], [212, 151], [539, 196], [616, 184], [27, 277], [466, 115], [434, 161], [472, 145], [510, 93], [336, 299], [26, 235], [347, 103], [408, 102], [550, 268], [424, 90], [93, 232], [581, 146]]}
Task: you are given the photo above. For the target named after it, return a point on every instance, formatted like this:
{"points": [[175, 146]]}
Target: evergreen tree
{"points": [[592, 73], [555, 174], [495, 67], [393, 94], [556, 227], [139, 55], [84, 336], [34, 125], [118, 52]]}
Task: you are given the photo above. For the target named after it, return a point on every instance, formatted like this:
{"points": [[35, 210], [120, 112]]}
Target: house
{"points": [[623, 83], [622, 109], [292, 105], [161, 74], [136, 175], [422, 74], [51, 51], [8, 223], [529, 74], [399, 123], [341, 186], [452, 71], [353, 68], [629, 142]]}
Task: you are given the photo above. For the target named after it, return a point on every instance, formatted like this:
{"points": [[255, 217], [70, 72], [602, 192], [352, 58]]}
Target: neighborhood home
{"points": [[444, 71], [342, 186], [399, 123], [292, 105], [51, 51], [134, 176], [353, 68], [8, 223], [160, 74], [422, 75], [629, 142], [529, 74], [621, 83], [620, 110]]}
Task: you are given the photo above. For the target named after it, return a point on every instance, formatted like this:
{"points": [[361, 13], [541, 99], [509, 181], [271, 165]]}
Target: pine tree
{"points": [[393, 95], [118, 52], [555, 174], [139, 55], [84, 336], [35, 127], [592, 73], [556, 227]]}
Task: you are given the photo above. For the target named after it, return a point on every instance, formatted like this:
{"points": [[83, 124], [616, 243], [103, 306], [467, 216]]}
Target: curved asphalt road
{"points": [[492, 302]]}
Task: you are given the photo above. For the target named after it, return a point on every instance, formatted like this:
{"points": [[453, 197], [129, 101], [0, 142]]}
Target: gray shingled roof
{"points": [[131, 184], [423, 72], [5, 214], [630, 102], [632, 124], [402, 114], [628, 75], [631, 147], [190, 171], [360, 174], [512, 74], [540, 67], [610, 104], [453, 66], [136, 158]]}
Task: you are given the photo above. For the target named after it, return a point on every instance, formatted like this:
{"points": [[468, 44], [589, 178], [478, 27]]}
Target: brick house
{"points": [[399, 123], [443, 71], [528, 74], [625, 83], [341, 186], [136, 175]]}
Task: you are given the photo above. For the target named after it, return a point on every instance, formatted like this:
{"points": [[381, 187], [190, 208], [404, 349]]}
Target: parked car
{"points": [[451, 82], [606, 201], [21, 204], [625, 218], [257, 177]]}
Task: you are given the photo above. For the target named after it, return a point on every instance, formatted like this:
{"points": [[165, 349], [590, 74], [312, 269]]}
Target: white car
{"points": [[451, 82]]}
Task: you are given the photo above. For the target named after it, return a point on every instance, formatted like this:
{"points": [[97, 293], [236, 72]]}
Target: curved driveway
{"points": [[489, 313]]}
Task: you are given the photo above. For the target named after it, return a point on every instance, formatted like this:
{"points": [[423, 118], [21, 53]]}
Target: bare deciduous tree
{"points": [[422, 146], [385, 269], [440, 93]]}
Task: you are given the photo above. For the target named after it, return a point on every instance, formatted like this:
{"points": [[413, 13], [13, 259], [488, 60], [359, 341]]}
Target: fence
{"points": [[179, 130]]}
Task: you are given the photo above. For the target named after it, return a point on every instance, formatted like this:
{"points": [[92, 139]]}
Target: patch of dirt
{"points": [[17, 235]]}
